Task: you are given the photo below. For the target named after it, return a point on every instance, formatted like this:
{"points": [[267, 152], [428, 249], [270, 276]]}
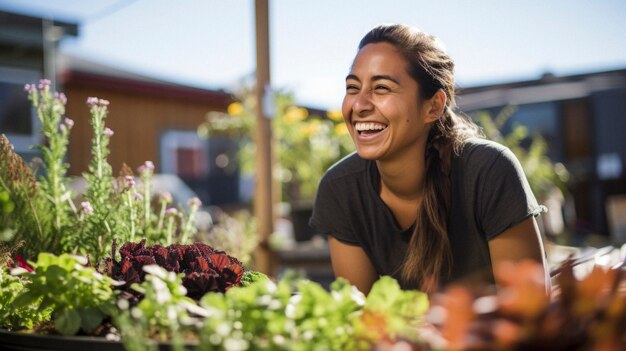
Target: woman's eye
{"points": [[351, 89], [382, 88]]}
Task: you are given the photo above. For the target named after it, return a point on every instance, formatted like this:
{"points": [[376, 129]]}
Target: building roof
{"points": [[79, 71], [547, 88]]}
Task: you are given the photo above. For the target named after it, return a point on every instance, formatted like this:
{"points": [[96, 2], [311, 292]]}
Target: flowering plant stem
{"points": [[132, 213], [50, 109], [170, 230], [190, 225], [100, 178]]}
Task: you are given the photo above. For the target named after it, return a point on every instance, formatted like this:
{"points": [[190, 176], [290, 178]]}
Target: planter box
{"points": [[14, 341]]}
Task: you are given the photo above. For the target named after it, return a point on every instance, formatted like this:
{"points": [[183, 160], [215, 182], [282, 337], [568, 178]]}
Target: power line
{"points": [[107, 11]]}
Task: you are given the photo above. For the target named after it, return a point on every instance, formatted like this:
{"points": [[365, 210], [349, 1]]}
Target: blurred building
{"points": [[582, 117], [28, 47], [152, 119]]}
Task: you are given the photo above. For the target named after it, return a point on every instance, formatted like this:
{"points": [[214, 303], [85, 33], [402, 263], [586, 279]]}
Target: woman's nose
{"points": [[362, 103]]}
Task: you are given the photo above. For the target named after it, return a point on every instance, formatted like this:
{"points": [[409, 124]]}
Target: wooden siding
{"points": [[137, 117]]}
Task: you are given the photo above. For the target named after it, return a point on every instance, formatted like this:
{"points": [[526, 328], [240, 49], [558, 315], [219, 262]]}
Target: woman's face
{"points": [[382, 109]]}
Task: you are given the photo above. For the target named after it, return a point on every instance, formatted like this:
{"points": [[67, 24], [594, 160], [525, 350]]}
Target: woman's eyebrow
{"points": [[353, 77], [384, 77], [374, 78]]}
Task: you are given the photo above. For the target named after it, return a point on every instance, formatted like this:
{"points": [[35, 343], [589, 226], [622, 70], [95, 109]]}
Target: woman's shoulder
{"points": [[477, 152], [482, 146], [348, 166], [482, 158]]}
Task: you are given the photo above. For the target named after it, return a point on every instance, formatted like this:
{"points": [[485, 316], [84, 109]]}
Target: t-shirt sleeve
{"points": [[504, 196], [329, 217]]}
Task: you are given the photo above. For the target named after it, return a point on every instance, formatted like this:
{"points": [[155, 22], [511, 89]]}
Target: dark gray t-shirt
{"points": [[489, 193]]}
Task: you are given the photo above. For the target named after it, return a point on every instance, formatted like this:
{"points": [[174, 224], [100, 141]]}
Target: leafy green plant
{"points": [[15, 316], [162, 314], [377, 323], [296, 314], [77, 295], [165, 313]]}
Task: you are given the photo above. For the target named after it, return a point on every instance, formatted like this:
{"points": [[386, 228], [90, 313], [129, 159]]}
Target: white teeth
{"points": [[361, 126]]}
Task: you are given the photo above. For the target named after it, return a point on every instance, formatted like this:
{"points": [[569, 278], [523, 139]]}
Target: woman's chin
{"points": [[369, 153]]}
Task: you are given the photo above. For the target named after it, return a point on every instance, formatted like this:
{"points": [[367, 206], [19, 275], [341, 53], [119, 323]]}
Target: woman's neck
{"points": [[404, 180], [401, 188], [403, 176]]}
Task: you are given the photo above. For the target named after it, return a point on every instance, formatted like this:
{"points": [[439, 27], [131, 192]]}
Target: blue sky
{"points": [[210, 43]]}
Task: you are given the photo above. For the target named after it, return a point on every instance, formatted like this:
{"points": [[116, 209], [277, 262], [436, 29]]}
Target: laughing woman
{"points": [[424, 198]]}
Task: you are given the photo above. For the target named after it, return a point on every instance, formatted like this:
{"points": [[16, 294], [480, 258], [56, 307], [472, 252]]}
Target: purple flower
{"points": [[148, 166], [61, 97], [171, 212], [86, 206], [138, 197], [103, 102], [166, 197], [194, 202], [108, 132], [92, 101], [129, 182], [68, 123], [44, 83], [30, 88]]}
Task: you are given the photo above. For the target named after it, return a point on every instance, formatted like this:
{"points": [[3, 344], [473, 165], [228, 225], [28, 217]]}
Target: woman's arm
{"points": [[520, 242], [351, 262]]}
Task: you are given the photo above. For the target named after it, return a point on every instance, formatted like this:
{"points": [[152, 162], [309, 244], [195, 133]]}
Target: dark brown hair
{"points": [[429, 252]]}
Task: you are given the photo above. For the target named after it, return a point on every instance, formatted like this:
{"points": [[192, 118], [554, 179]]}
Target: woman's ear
{"points": [[435, 106]]}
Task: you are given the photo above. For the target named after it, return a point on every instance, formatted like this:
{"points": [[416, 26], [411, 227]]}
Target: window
{"points": [[17, 118], [185, 154]]}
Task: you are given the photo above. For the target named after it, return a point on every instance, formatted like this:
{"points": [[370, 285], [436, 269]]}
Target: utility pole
{"points": [[263, 202]]}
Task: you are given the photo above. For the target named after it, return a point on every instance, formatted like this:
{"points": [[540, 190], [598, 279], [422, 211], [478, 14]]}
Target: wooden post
{"points": [[263, 204]]}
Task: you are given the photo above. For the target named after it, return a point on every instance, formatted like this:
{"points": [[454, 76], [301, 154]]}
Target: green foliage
{"points": [[43, 214], [250, 277], [290, 315], [14, 316], [77, 296], [101, 225], [386, 295], [21, 202], [305, 145], [543, 174], [40, 208], [236, 234], [297, 314], [293, 314], [163, 314], [50, 108]]}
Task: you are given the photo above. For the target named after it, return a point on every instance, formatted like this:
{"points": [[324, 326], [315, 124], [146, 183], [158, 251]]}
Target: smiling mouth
{"points": [[369, 128]]}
